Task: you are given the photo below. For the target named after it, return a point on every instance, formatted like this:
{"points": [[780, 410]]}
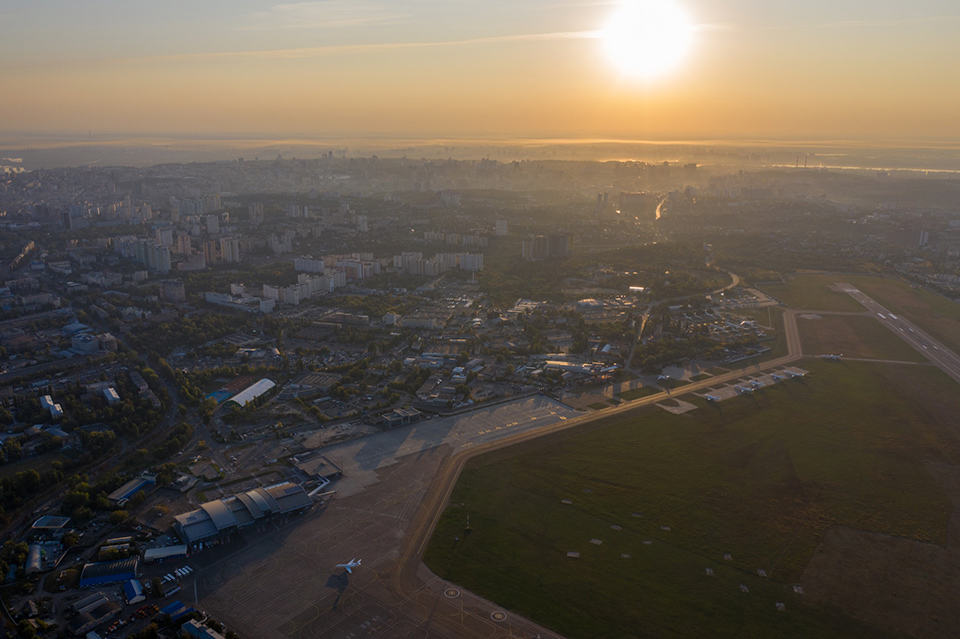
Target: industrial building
{"points": [[154, 555], [109, 572], [223, 516], [251, 393], [317, 466], [49, 526], [133, 591], [196, 629], [91, 612], [129, 489]]}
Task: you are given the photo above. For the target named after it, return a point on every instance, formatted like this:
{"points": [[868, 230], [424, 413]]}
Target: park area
{"points": [[813, 508]]}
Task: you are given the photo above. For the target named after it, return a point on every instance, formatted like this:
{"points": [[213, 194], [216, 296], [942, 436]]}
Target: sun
{"points": [[647, 38]]}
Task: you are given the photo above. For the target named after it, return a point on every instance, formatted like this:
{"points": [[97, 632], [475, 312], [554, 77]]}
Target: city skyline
{"points": [[534, 69]]}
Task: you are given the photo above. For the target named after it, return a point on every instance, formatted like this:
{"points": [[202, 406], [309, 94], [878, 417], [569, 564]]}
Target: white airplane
{"points": [[663, 378], [756, 384], [743, 389], [350, 565], [712, 398], [777, 377], [795, 374], [833, 357]]}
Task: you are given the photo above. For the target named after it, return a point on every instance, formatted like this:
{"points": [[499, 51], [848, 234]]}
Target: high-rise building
{"points": [[540, 247], [211, 254], [500, 230], [230, 249], [306, 264], [213, 224], [164, 235], [256, 213]]}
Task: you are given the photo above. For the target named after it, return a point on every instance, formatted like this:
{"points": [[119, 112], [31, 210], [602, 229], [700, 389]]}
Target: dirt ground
{"points": [[901, 584]]}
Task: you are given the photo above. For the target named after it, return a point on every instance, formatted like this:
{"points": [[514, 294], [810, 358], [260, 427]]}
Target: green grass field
{"points": [[765, 316], [811, 292], [854, 336], [759, 477]]}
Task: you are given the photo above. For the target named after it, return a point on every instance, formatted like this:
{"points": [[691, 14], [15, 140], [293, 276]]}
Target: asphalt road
{"points": [[922, 342]]}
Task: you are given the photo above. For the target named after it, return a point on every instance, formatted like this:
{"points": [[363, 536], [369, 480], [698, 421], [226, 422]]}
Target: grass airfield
{"points": [[752, 484]]}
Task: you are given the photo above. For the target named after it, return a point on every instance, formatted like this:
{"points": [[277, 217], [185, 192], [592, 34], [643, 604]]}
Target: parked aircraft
{"points": [[743, 389], [712, 398], [795, 374], [833, 357]]}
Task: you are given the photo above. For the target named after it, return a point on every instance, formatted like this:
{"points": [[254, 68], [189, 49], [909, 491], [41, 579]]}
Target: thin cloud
{"points": [[889, 23], [854, 24], [313, 52], [319, 15]]}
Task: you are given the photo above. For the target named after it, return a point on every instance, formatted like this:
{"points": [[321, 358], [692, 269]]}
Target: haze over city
{"points": [[582, 319]]}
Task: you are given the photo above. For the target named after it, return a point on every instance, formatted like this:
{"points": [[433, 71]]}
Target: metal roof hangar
{"points": [[250, 393], [109, 572], [225, 515]]}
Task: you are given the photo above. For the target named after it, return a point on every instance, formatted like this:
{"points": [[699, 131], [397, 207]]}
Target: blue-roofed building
{"points": [[133, 591], [172, 608], [129, 489], [109, 572], [196, 629]]}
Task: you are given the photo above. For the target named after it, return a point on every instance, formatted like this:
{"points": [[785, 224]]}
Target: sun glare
{"points": [[647, 38]]}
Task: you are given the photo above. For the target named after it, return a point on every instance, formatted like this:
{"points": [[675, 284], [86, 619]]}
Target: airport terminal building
{"points": [[221, 517]]}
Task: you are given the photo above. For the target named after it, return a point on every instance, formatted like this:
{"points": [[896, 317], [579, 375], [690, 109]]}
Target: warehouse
{"points": [[129, 489], [223, 516], [154, 555], [251, 393], [109, 572], [50, 525], [91, 612], [133, 591]]}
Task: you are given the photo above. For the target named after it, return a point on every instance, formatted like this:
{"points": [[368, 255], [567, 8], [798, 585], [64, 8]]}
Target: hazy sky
{"points": [[838, 69]]}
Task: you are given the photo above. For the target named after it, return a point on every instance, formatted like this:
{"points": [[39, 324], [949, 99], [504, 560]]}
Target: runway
{"points": [[941, 356]]}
